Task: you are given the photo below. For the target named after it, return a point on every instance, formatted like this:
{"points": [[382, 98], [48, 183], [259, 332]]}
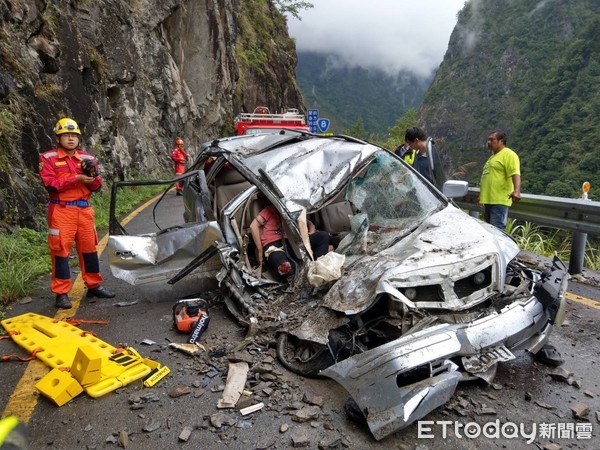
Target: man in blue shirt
{"points": [[423, 163]]}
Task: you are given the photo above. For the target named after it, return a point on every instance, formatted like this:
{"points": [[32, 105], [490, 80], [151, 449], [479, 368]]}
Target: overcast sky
{"points": [[388, 34]]}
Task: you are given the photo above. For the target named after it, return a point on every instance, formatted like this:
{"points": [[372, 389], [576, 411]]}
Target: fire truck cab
{"points": [[262, 121]]}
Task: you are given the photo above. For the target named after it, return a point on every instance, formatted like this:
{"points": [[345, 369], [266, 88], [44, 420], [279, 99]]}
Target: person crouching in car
{"points": [[271, 241]]}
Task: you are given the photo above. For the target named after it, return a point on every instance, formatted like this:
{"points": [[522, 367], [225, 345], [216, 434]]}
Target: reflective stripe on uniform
{"points": [[54, 232]]}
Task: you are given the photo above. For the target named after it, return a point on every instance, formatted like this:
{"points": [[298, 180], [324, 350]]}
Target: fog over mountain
{"points": [[390, 35]]}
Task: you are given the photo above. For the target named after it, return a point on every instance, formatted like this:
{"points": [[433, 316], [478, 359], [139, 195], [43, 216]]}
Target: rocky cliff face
{"points": [[501, 59], [135, 75]]}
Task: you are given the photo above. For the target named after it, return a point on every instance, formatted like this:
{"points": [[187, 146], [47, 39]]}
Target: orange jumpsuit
{"points": [[70, 218], [179, 156]]}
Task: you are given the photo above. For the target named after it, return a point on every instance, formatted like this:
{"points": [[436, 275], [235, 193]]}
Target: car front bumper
{"points": [[377, 378]]}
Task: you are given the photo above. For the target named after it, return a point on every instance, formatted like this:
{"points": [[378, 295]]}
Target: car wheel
{"points": [[302, 357]]}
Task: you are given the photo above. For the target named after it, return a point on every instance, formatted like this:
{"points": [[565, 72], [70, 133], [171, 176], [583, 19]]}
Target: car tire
{"points": [[302, 357]]}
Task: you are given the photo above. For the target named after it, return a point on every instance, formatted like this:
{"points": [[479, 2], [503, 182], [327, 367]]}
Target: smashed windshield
{"points": [[390, 201]]}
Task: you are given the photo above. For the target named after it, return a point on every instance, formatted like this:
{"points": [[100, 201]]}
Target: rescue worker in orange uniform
{"points": [[70, 175], [179, 156]]}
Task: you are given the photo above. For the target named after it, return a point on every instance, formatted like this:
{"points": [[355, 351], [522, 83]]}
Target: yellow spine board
{"points": [[59, 343]]}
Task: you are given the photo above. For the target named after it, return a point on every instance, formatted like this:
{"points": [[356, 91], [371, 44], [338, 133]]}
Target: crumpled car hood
{"points": [[446, 246]]}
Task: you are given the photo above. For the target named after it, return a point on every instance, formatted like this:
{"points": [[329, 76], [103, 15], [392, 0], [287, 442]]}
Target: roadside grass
{"points": [[24, 255], [23, 261], [550, 241]]}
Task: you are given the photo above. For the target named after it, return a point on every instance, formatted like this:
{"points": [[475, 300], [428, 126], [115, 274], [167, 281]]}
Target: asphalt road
{"points": [[298, 412]]}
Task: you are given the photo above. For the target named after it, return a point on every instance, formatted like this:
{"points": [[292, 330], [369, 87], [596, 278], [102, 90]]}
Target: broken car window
{"points": [[393, 199]]}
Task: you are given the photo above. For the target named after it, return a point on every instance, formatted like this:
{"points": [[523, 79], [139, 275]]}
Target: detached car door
{"points": [[166, 238]]}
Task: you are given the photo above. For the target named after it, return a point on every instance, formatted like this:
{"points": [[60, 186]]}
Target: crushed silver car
{"points": [[422, 295]]}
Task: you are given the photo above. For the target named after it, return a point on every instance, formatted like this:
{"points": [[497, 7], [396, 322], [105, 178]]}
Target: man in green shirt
{"points": [[500, 181]]}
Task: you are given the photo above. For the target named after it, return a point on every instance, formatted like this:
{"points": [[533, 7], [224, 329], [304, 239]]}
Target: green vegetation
{"points": [[346, 95], [264, 52], [126, 203], [550, 241], [560, 121], [12, 109], [396, 133], [292, 7], [24, 255], [97, 61], [536, 79], [51, 17], [48, 91], [23, 260]]}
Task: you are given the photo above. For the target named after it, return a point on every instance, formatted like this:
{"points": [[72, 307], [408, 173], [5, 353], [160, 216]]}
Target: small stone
{"points": [[88, 428], [306, 414], [314, 400], [300, 438], [219, 419], [330, 441], [577, 384], [589, 394], [185, 434], [528, 396], [152, 426], [179, 391], [487, 412], [560, 374], [543, 405], [284, 427], [598, 416], [240, 357], [151, 397], [490, 396], [111, 439], [552, 446], [123, 439], [580, 410]]}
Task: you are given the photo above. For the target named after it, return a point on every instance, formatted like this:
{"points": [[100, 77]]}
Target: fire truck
{"points": [[262, 121]]}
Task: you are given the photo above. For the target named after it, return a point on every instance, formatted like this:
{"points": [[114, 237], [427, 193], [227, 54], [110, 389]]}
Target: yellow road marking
{"points": [[583, 300], [24, 398]]}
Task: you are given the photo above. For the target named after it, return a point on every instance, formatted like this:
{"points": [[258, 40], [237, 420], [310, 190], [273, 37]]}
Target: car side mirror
{"points": [[455, 188]]}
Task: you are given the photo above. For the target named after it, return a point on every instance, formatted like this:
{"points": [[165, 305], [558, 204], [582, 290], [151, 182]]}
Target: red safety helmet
{"points": [[179, 141]]}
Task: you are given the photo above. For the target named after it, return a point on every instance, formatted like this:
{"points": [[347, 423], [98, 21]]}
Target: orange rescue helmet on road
{"points": [[66, 125], [179, 141]]}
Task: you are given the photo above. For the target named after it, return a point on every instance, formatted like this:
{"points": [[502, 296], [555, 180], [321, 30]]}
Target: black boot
{"points": [[99, 292], [63, 301]]}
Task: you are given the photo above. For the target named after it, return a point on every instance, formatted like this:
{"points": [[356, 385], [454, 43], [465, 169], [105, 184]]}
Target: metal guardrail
{"points": [[558, 212], [581, 216]]}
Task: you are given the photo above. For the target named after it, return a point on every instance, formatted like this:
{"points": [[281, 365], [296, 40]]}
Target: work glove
{"points": [[88, 168]]}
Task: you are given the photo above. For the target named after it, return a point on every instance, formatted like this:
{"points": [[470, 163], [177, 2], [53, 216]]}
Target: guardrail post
{"points": [[577, 252], [579, 241]]}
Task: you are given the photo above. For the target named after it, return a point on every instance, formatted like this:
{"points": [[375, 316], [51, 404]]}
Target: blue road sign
{"points": [[313, 117], [323, 125]]}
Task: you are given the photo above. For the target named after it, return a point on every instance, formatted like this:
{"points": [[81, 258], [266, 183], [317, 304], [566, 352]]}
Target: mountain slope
{"points": [[134, 75], [530, 69], [346, 95]]}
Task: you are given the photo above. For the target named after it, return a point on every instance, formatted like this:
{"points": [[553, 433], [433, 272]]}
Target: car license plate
{"points": [[485, 360]]}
